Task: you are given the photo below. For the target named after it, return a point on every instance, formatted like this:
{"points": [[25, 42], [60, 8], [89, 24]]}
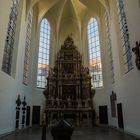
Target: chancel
{"points": [[72, 61]]}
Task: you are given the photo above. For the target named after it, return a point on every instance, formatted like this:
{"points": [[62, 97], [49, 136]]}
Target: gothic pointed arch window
{"points": [[125, 37], [43, 55], [27, 48], [109, 45], [10, 37], [94, 54]]}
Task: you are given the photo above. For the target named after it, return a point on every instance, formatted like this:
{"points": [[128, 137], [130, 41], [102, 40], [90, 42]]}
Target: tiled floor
{"points": [[95, 133]]}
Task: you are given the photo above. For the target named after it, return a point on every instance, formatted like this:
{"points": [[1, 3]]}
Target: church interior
{"points": [[77, 60]]}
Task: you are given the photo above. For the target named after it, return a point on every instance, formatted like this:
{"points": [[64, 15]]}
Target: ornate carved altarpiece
{"points": [[68, 92]]}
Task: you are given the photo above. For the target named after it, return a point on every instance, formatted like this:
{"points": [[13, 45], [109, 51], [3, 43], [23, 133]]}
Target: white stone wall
{"points": [[11, 86], [126, 86]]}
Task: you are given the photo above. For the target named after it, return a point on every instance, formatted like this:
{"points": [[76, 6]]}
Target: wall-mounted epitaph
{"points": [[18, 103]]}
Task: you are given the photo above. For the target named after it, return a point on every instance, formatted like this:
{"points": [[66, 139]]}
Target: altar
{"points": [[68, 92]]}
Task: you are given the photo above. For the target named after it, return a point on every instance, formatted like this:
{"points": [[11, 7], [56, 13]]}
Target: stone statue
{"points": [[69, 101], [87, 70], [92, 92], [58, 102], [136, 50]]}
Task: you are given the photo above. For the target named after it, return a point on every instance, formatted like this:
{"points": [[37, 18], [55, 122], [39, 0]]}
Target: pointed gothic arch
{"points": [[94, 54], [43, 55]]}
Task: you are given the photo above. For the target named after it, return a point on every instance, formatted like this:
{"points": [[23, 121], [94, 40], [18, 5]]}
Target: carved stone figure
{"points": [[92, 92], [136, 50]]}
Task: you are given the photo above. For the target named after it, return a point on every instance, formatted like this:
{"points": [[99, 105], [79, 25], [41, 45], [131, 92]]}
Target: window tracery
{"points": [[27, 49], [94, 54], [10, 38], [43, 56], [127, 57]]}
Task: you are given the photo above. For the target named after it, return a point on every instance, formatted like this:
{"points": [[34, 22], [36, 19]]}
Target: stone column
{"points": [[61, 91], [77, 92], [88, 117], [77, 119]]}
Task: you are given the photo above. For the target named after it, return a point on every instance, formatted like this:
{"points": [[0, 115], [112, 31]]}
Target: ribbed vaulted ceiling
{"points": [[62, 9], [68, 16]]}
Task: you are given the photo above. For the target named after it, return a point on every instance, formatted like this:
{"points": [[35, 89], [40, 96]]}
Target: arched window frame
{"points": [[125, 41], [43, 55], [10, 38], [109, 45], [94, 54]]}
